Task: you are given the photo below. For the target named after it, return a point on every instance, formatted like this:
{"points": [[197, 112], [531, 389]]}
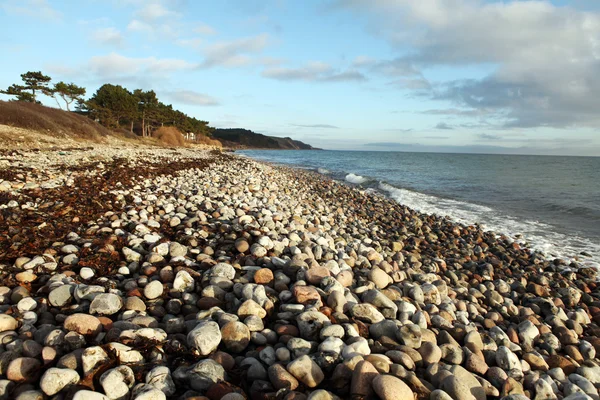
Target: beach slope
{"points": [[139, 272]]}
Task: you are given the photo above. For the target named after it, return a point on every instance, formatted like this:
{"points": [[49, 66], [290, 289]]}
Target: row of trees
{"points": [[36, 82], [112, 105]]}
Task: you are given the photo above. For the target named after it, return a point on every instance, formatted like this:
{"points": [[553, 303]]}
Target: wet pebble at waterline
{"points": [[232, 279]]}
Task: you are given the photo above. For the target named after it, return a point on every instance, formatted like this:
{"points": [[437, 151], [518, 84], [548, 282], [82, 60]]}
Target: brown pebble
{"points": [[281, 379], [314, 275], [83, 324], [134, 293], [225, 359], [149, 270], [242, 245], [362, 379], [26, 277], [574, 353], [557, 361], [106, 323], [217, 390], [287, 330], [264, 276], [307, 295]]}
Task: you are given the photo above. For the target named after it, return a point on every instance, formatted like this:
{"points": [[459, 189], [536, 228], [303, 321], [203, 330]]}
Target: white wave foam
{"points": [[535, 235], [323, 171], [352, 178]]}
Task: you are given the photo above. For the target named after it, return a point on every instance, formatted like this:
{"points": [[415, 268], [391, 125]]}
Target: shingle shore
{"points": [[153, 274]]}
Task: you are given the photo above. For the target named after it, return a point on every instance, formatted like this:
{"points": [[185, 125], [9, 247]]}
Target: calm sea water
{"points": [[551, 203]]}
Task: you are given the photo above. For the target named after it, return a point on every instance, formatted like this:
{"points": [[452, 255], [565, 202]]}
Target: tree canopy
{"points": [[113, 106], [69, 92], [34, 82]]}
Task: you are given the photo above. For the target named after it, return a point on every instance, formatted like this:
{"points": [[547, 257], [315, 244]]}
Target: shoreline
{"points": [[244, 278], [551, 244]]}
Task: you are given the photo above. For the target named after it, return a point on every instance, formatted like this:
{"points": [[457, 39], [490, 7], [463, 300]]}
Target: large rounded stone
{"points": [[430, 353], [281, 379], [250, 307], [61, 296], [380, 278], [411, 335], [307, 295], [469, 380], [106, 304], [84, 324], [310, 324], [241, 245], [56, 379], [8, 323], [507, 360], [153, 290], [236, 336], [144, 391], [205, 337], [89, 395], [314, 275], [307, 371], [160, 378], [362, 379], [264, 276], [205, 373], [23, 369], [389, 387], [367, 313], [456, 388], [93, 357], [116, 382], [183, 282]]}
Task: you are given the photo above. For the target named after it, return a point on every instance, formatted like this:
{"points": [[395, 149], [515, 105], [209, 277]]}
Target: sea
{"points": [[551, 204]]}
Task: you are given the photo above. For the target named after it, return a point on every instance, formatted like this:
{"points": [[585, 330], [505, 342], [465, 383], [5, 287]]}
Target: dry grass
{"points": [[27, 125], [200, 139], [13, 138], [51, 121], [169, 136]]}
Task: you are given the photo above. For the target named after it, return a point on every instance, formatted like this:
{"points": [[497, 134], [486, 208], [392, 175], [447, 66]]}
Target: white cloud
{"points": [[234, 53], [155, 31], [39, 9], [191, 97], [204, 29], [193, 42], [115, 65], [153, 11], [138, 26], [546, 59], [363, 61], [159, 18], [313, 72], [94, 21], [108, 36]]}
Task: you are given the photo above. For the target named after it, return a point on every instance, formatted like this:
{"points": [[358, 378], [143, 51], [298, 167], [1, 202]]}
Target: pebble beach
{"points": [[149, 274]]}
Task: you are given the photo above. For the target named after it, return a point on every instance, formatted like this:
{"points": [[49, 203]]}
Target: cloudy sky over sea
{"points": [[431, 75]]}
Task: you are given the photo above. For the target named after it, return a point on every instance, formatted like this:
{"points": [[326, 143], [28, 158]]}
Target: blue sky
{"points": [[428, 75]]}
